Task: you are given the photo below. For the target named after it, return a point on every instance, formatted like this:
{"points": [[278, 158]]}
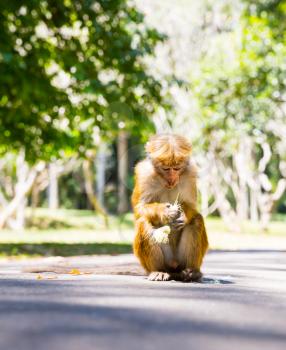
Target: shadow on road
{"points": [[208, 280], [66, 314]]}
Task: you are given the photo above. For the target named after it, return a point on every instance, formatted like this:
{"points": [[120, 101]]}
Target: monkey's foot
{"points": [[159, 276], [189, 275]]}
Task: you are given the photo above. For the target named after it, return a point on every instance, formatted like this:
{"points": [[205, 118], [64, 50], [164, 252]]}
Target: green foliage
{"points": [[69, 69], [239, 92]]}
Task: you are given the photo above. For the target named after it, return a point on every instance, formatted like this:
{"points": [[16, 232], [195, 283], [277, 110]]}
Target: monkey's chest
{"points": [[168, 196]]}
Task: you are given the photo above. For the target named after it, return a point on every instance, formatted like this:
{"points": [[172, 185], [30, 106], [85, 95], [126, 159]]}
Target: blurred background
{"points": [[84, 83]]}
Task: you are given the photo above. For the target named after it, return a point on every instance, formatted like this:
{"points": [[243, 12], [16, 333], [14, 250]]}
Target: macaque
{"points": [[171, 239]]}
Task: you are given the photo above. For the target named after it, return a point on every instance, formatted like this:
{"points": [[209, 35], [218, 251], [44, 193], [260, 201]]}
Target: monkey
{"points": [[170, 236]]}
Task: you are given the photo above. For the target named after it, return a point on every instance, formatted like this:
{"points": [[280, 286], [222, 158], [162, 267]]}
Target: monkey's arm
{"points": [[190, 212], [196, 221], [155, 213]]}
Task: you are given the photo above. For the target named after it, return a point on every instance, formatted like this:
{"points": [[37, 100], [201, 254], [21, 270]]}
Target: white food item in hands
{"points": [[161, 234]]}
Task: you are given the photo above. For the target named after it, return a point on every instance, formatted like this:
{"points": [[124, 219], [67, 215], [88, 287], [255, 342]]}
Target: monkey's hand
{"points": [[178, 223], [170, 213], [174, 217]]}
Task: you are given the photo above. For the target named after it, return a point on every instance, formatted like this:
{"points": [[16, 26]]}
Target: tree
{"points": [[243, 109], [68, 71], [192, 28], [122, 160], [63, 63]]}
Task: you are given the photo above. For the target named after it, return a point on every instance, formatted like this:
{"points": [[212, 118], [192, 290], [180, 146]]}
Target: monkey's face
{"points": [[170, 173]]}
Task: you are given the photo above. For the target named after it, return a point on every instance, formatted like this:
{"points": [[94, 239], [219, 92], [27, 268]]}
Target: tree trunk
{"points": [[122, 161], [242, 201], [268, 202], [53, 191], [254, 205], [88, 182], [20, 194], [35, 196], [22, 173], [204, 200], [100, 165]]}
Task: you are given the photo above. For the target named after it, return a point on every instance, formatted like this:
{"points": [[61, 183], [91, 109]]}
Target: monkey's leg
{"points": [[192, 248], [149, 252]]}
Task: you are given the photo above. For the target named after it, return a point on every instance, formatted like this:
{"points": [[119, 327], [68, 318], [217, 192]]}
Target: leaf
{"points": [[52, 277], [75, 272], [31, 120]]}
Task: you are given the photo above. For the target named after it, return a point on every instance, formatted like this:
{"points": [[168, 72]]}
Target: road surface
{"points": [[241, 304]]}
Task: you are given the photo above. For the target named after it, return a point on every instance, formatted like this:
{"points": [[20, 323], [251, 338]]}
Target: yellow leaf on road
{"points": [[52, 277]]}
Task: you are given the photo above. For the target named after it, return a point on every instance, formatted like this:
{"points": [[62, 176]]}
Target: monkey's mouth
{"points": [[170, 186]]}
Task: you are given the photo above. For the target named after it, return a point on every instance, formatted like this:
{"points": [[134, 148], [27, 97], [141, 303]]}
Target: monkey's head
{"points": [[169, 155]]}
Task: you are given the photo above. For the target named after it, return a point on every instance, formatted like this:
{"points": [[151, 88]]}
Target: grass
{"points": [[22, 250], [277, 227], [44, 219], [68, 233], [81, 232]]}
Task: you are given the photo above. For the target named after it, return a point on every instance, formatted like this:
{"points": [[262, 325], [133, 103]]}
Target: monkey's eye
{"points": [[166, 169], [177, 169]]}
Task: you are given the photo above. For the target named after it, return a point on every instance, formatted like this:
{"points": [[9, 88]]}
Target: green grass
{"points": [[80, 232], [63, 249], [277, 227], [53, 224], [44, 219], [68, 232]]}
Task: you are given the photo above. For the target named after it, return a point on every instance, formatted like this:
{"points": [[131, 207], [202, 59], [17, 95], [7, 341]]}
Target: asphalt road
{"points": [[241, 304]]}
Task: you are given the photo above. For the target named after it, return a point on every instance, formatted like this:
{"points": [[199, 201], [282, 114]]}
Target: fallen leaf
{"points": [[74, 272], [52, 278], [39, 277]]}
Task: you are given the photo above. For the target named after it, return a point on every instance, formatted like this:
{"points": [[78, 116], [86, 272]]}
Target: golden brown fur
{"points": [[168, 149], [166, 173]]}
